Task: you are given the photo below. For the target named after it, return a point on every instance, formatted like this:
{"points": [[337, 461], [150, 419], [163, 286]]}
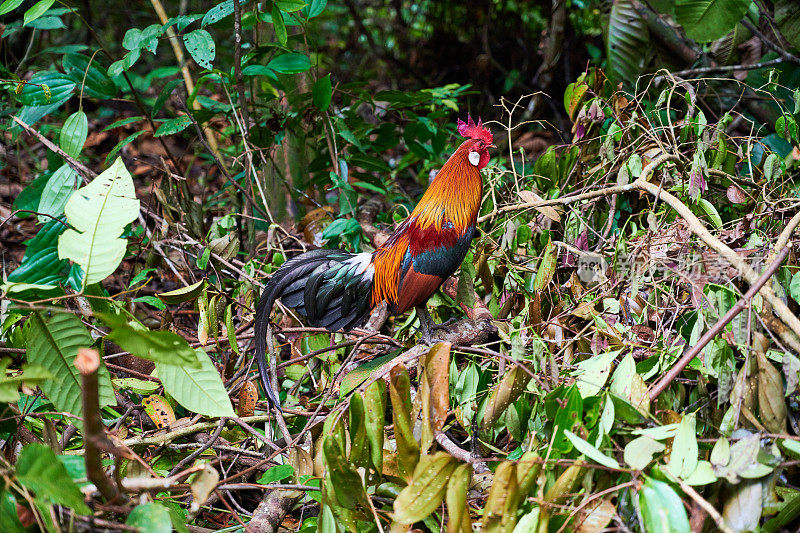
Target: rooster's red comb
{"points": [[474, 131]]}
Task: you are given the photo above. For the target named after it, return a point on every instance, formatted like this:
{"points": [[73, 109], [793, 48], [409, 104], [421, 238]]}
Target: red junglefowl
{"points": [[337, 290]]}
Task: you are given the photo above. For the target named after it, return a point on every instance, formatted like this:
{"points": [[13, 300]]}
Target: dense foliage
{"points": [[625, 352]]}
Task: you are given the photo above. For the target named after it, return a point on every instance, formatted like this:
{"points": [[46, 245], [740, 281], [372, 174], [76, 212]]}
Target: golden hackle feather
{"points": [[454, 196]]}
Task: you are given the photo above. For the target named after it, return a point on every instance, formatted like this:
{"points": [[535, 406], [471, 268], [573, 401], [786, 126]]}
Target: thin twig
{"points": [[717, 328]]}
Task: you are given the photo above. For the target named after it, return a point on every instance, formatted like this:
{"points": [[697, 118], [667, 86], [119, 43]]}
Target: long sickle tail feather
{"points": [[331, 288]]}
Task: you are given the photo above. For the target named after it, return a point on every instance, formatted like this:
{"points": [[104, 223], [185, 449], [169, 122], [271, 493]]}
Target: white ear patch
{"points": [[474, 158]]}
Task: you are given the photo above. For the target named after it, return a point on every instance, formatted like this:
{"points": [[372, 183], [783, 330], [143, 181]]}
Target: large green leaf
{"points": [[159, 346], [198, 389], [39, 470], [99, 212], [92, 76], [53, 343], [46, 88], [706, 20], [627, 42]]}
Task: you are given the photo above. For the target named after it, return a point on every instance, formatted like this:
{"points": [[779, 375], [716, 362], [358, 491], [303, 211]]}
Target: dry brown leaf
{"points": [[547, 210]]}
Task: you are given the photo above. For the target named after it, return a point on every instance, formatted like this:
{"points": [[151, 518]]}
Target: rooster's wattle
{"points": [[337, 290]]}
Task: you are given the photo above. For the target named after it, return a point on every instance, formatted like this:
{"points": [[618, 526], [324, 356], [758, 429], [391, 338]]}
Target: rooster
{"points": [[337, 290]]}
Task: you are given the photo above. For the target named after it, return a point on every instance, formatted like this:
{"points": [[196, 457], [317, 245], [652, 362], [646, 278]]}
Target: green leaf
{"points": [[794, 287], [200, 45], [640, 451], [707, 20], [197, 389], [57, 192], [592, 374], [626, 43], [53, 343], [279, 26], [73, 133], [8, 513], [662, 509], [322, 93], [711, 211], [165, 93], [46, 88], [427, 488], [37, 10], [290, 6], [290, 63], [9, 5], [150, 517], [184, 294], [375, 404], [787, 16], [173, 125], [683, 457], [124, 122], [316, 8], [40, 263], [39, 470], [590, 451], [218, 12], [89, 74], [99, 213], [159, 346], [122, 144], [151, 300], [275, 474], [9, 385]]}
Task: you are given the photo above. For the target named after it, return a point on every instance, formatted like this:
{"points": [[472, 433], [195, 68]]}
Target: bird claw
{"points": [[444, 325]]}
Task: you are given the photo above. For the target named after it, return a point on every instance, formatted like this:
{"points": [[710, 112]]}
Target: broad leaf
{"points": [[53, 343], [706, 20], [39, 470], [99, 213], [158, 346], [627, 42], [200, 45], [197, 389]]}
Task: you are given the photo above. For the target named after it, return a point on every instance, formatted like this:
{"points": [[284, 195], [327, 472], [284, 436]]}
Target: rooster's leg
{"points": [[426, 324]]}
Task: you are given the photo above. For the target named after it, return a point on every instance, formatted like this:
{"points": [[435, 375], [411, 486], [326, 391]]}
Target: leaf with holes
{"points": [[99, 213], [173, 125], [200, 45], [53, 343]]}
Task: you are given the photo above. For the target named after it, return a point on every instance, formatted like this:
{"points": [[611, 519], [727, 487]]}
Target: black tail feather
{"points": [[322, 287]]}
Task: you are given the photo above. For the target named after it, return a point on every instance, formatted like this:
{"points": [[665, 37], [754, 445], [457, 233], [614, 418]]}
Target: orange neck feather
{"points": [[454, 195]]}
